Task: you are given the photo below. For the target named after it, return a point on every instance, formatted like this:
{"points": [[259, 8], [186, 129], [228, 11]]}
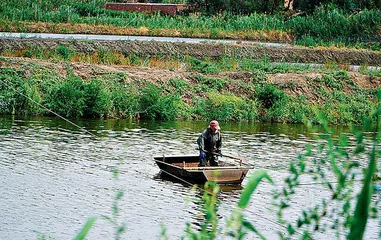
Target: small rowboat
{"points": [[186, 168]]}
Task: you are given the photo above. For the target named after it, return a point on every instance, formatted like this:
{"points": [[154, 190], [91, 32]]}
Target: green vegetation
{"points": [[37, 90], [326, 26], [206, 65], [86, 228], [270, 6], [335, 157], [255, 98]]}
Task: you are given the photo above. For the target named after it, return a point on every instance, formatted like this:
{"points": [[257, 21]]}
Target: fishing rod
{"points": [[47, 109]]}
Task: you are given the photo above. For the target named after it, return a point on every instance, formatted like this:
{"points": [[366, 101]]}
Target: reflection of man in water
{"points": [[209, 144]]}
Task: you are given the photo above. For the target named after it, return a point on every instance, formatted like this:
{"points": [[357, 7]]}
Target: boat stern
{"points": [[226, 176]]}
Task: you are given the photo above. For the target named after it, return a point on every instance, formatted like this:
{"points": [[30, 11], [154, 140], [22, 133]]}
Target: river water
{"points": [[54, 177]]}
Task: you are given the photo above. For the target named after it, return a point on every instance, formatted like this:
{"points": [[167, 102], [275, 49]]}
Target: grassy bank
{"points": [[325, 27], [207, 92]]}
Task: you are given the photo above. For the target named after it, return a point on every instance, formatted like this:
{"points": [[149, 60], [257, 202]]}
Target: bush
{"points": [[332, 82], [64, 52], [229, 107], [181, 86], [74, 98], [155, 105], [268, 95], [212, 83], [328, 23], [96, 100], [12, 102], [67, 98], [125, 103], [202, 66], [259, 76], [87, 10], [34, 97], [236, 7]]}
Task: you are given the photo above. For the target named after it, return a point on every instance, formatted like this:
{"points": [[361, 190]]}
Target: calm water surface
{"points": [[54, 176]]}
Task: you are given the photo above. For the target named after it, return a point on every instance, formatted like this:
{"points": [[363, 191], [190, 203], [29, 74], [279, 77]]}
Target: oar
{"points": [[241, 160], [236, 158]]}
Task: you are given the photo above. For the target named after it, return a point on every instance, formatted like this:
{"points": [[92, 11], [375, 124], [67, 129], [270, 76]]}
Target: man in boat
{"points": [[209, 144]]}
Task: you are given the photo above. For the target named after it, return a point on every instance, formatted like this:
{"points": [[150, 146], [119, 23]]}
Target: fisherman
{"points": [[209, 144]]}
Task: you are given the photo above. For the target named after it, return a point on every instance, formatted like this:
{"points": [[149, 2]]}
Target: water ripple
{"points": [[54, 177]]}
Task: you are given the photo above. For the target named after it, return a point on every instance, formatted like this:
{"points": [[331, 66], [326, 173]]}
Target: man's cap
{"points": [[214, 124]]}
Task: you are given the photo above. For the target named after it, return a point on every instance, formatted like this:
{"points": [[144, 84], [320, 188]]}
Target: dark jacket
{"points": [[209, 141]]}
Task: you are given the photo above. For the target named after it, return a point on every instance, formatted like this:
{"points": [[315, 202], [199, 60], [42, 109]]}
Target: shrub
{"points": [[33, 98], [332, 82], [64, 52], [268, 95], [328, 23], [96, 100], [12, 102], [125, 103], [202, 66], [74, 98], [67, 98], [212, 83], [259, 76], [230, 107], [34, 51], [155, 105], [181, 86], [87, 10]]}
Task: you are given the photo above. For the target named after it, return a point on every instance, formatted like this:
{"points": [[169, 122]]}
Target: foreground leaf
{"points": [[254, 180], [361, 213], [85, 230]]}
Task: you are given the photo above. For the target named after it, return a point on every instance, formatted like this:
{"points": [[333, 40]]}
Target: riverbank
{"points": [[289, 54], [165, 89]]}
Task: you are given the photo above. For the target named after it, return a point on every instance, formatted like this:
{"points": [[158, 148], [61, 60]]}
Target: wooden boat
{"points": [[185, 168]]}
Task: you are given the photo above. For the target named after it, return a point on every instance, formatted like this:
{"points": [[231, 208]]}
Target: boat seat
{"points": [[187, 164], [195, 164]]}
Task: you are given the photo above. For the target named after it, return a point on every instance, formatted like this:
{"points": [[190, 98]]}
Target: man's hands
{"points": [[219, 153], [202, 155]]}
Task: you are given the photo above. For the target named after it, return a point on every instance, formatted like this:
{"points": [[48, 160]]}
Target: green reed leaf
{"points": [[86, 228], [254, 180]]}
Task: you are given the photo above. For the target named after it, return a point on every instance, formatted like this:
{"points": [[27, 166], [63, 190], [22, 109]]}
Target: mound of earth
{"points": [[289, 54], [294, 84]]}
